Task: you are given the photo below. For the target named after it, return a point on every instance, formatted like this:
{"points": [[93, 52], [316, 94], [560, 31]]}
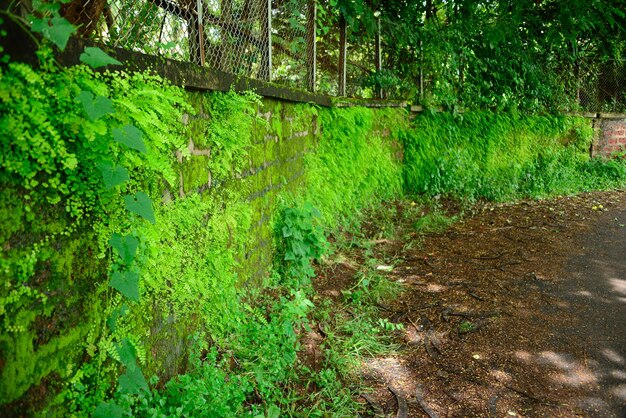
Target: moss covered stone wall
{"points": [[218, 168]]}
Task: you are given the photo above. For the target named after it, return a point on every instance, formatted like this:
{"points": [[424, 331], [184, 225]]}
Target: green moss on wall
{"points": [[354, 164], [60, 319]]}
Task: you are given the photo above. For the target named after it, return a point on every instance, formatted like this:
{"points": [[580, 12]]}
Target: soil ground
{"points": [[516, 310]]}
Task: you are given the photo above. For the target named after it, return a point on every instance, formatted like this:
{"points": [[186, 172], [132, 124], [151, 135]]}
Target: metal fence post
{"points": [[266, 28], [343, 49], [200, 33], [312, 50], [195, 33]]}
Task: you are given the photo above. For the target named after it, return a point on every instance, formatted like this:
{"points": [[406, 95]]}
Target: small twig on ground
{"points": [[414, 325], [456, 283], [487, 257], [431, 305], [382, 241], [474, 314], [475, 296], [530, 396], [384, 308]]}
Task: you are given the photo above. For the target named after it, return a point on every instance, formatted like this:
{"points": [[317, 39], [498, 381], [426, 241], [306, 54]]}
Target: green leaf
{"points": [[95, 106], [130, 136], [96, 58], [127, 283], [132, 382], [43, 7], [108, 410], [112, 175], [125, 247], [273, 411], [141, 204], [128, 354], [58, 30], [290, 256], [115, 315]]}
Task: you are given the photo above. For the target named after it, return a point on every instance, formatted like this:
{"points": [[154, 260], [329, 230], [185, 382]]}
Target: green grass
{"points": [[434, 222], [504, 156]]}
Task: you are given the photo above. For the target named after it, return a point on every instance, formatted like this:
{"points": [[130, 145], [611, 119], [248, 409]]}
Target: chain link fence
{"points": [[273, 40], [293, 43], [262, 39], [602, 88]]}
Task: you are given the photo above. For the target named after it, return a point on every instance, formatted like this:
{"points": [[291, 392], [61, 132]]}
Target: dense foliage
{"points": [[488, 54]]}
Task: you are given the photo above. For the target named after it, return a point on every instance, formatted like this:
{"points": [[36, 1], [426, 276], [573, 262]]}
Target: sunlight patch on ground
{"points": [[618, 285], [569, 371], [591, 296], [435, 288], [613, 356], [574, 373], [524, 356], [501, 376]]}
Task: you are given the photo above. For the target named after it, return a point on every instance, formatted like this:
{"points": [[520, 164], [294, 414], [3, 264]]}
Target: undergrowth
{"points": [[353, 167], [254, 369], [504, 156]]}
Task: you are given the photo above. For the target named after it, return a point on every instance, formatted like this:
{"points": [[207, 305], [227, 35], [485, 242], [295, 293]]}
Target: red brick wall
{"points": [[611, 137]]}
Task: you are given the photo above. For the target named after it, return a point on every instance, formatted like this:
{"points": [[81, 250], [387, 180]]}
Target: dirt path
{"points": [[516, 311]]}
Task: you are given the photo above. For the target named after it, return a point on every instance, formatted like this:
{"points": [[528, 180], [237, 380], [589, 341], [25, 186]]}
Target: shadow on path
{"points": [[596, 290]]}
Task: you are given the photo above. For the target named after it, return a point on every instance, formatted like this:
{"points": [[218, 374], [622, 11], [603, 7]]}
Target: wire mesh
{"points": [[234, 36], [291, 41], [360, 68], [603, 88], [156, 27], [327, 58]]}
